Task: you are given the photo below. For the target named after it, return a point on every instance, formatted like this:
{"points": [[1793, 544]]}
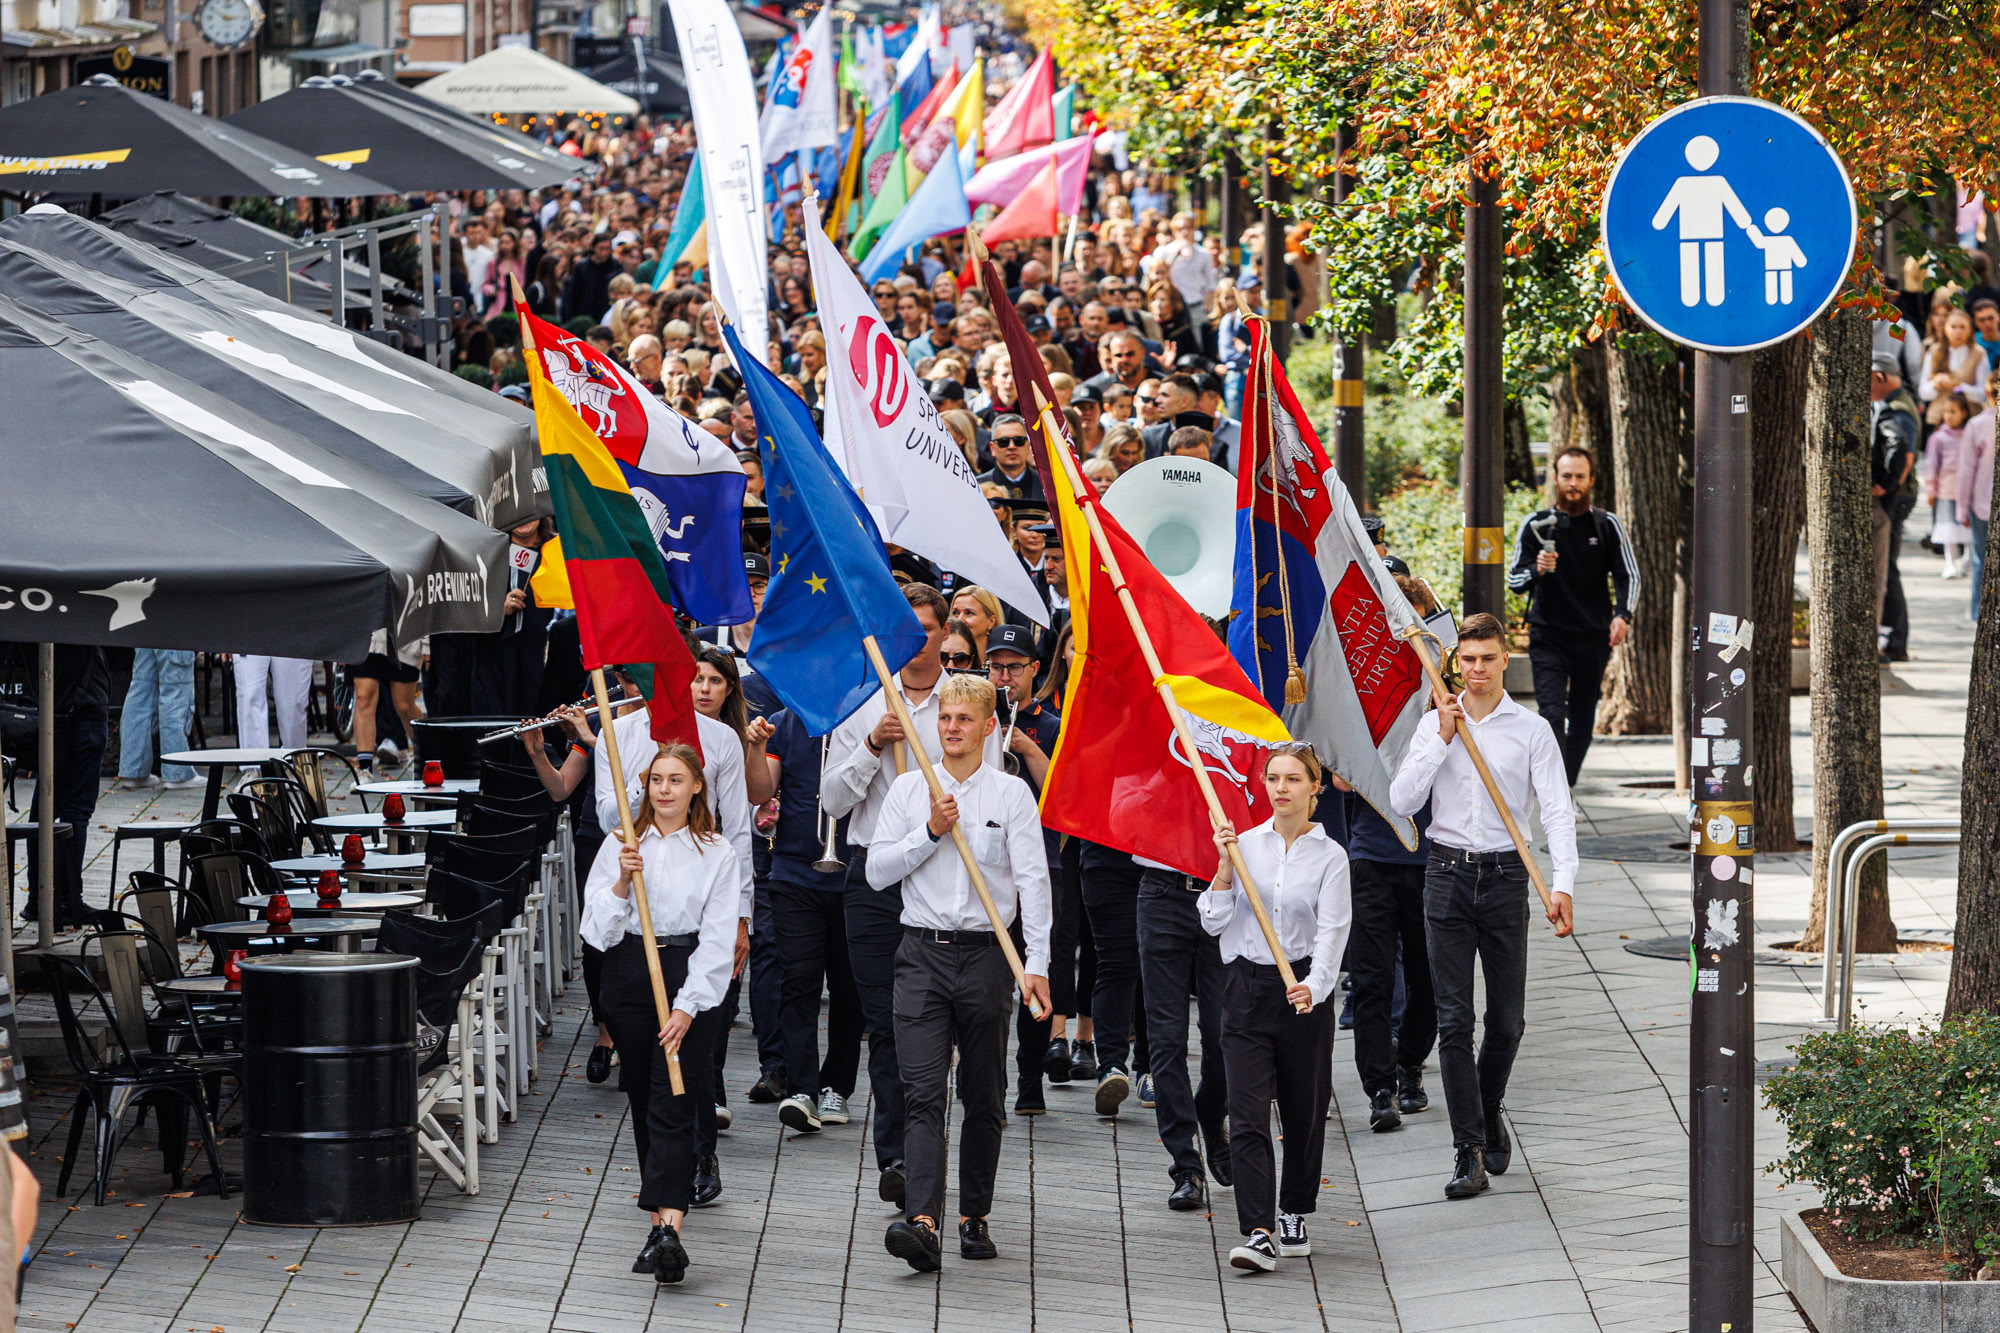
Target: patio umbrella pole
{"points": [[45, 805]]}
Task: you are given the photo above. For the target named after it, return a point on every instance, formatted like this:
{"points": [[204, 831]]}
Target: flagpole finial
{"points": [[1243, 306], [977, 246]]}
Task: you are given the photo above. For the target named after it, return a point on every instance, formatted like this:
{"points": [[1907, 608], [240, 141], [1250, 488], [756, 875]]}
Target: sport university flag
{"points": [[1309, 588], [1120, 775], [615, 571], [688, 483]]}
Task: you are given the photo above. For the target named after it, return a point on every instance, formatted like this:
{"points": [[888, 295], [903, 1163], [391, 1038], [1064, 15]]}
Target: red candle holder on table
{"points": [[232, 968], [433, 773], [392, 808], [278, 911], [328, 888], [352, 850]]}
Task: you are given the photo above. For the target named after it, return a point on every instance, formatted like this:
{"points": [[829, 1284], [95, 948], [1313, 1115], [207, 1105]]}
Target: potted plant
{"points": [[1900, 1133]]}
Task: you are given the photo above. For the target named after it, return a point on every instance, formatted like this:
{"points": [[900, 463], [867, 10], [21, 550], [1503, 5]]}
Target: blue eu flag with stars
{"points": [[830, 580]]}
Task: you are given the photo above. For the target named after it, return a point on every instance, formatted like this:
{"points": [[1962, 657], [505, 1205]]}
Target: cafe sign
{"points": [[142, 74]]}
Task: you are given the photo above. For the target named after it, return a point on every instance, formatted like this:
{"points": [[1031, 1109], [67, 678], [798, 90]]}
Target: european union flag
{"points": [[830, 580]]}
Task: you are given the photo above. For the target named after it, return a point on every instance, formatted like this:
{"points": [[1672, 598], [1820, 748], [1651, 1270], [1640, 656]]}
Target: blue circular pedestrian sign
{"points": [[1729, 224]]}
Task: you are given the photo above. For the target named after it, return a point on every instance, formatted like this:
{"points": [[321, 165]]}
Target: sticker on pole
{"points": [[1729, 224]]}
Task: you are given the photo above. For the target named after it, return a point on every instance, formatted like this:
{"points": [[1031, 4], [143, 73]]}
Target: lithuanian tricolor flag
{"points": [[616, 575]]}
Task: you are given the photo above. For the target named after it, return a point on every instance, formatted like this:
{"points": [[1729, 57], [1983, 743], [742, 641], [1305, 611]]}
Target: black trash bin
{"points": [[330, 1090]]}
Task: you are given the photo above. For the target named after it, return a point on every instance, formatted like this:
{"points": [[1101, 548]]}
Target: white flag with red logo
{"points": [[895, 447]]}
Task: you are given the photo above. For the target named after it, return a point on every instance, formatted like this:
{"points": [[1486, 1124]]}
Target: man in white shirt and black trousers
{"points": [[1476, 887], [953, 985]]}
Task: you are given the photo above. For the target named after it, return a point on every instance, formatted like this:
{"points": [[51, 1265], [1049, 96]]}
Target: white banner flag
{"points": [[803, 112], [897, 450], [724, 97]]}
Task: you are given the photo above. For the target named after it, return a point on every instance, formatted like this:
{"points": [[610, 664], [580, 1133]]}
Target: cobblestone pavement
{"points": [[1587, 1231]]}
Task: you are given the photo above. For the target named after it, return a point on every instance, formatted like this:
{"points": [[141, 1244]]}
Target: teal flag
{"points": [[687, 221], [1064, 105]]}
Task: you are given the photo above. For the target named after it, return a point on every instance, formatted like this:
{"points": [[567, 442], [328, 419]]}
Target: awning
{"points": [[339, 55], [85, 36], [520, 79]]}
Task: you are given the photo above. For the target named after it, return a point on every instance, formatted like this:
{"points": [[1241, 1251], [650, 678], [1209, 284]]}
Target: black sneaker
{"points": [[974, 1242], [644, 1263], [1187, 1193], [1292, 1242], [1028, 1099], [1410, 1095], [916, 1245], [1112, 1090], [598, 1067], [1255, 1255], [1499, 1152], [1083, 1061], [1382, 1113], [770, 1089], [1468, 1174], [707, 1180], [1055, 1060], [1215, 1148], [893, 1184], [670, 1260]]}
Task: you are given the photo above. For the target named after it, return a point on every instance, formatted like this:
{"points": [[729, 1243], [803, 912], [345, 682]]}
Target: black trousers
{"points": [[874, 933], [587, 846], [1895, 607], [80, 742], [663, 1125], [707, 1124], [1274, 1053], [1473, 910], [1072, 950], [1569, 676], [1177, 958], [1111, 901], [952, 996], [1389, 915], [810, 926], [767, 982]]}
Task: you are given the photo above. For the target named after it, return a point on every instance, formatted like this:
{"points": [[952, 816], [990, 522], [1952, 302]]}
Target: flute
{"points": [[552, 720]]}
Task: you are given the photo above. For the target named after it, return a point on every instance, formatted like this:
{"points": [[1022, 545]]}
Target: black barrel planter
{"points": [[454, 742], [330, 1090]]}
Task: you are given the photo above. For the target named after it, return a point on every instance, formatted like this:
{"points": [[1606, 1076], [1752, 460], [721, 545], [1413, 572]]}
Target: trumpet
{"points": [[1010, 761], [828, 861], [552, 720]]}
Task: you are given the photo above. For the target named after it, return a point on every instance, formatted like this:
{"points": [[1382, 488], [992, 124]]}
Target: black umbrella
{"points": [[372, 81], [662, 91], [152, 513], [398, 415], [228, 243], [410, 150], [104, 139]]}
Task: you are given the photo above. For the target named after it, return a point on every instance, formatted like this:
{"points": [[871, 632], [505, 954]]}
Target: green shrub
{"points": [[479, 375], [1425, 525], [579, 324], [506, 330], [511, 373], [1900, 1132]]}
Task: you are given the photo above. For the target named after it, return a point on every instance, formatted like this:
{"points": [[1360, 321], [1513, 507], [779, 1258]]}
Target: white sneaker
{"points": [[1292, 1242], [797, 1112], [387, 753], [139, 783], [184, 784], [721, 1116], [832, 1107], [1255, 1255]]}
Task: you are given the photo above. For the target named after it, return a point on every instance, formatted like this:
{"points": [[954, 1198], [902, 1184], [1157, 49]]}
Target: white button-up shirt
{"points": [[1526, 762], [997, 812], [721, 774], [690, 890], [1305, 893], [856, 780]]}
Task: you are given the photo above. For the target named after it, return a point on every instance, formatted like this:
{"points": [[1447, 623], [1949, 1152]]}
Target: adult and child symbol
{"points": [[1701, 200]]}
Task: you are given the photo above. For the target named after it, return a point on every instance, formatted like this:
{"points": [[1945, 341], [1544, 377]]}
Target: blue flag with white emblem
{"points": [[830, 580]]}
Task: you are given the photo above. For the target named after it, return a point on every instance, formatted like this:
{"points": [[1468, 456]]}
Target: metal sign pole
{"points": [[1723, 1032]]}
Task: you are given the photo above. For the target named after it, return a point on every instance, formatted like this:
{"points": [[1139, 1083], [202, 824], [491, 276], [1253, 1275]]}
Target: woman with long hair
{"points": [[692, 888], [718, 693], [509, 266], [1169, 311], [960, 649], [545, 292], [1123, 446], [979, 611]]}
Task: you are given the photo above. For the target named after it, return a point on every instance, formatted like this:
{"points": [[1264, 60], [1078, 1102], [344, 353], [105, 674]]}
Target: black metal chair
{"points": [[170, 909], [309, 762], [221, 879], [508, 783], [518, 845], [123, 1076]]}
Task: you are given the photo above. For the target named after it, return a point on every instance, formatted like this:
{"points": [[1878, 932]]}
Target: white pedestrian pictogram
{"points": [[1701, 200], [1781, 256]]}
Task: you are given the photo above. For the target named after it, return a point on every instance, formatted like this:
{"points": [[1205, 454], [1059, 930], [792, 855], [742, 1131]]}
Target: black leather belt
{"points": [[962, 938], [1454, 856], [673, 941]]}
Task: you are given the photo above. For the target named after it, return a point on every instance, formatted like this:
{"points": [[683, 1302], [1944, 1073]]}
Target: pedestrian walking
{"points": [[162, 695]]}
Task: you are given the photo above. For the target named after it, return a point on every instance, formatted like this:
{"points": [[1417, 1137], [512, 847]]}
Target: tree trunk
{"points": [[1975, 956], [1589, 382], [1645, 407], [1777, 447], [1846, 685], [1517, 467]]}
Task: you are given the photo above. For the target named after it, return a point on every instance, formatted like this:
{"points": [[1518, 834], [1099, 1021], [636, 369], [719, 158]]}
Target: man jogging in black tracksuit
{"points": [[1563, 559]]}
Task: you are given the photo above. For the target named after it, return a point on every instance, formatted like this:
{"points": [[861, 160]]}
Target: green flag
{"points": [[1064, 104], [880, 152], [882, 210]]}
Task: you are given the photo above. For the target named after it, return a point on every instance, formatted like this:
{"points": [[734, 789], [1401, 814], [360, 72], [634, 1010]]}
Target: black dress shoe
{"points": [[974, 1242], [644, 1263], [1468, 1174], [1215, 1148], [1028, 1099], [1083, 1061], [1410, 1095], [916, 1245], [1055, 1061], [770, 1089], [670, 1260], [597, 1069], [1382, 1113], [1499, 1152], [707, 1180], [893, 1184], [1187, 1195]]}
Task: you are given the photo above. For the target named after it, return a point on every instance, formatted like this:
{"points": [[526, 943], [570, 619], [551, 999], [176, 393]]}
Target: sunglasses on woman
{"points": [[956, 661]]}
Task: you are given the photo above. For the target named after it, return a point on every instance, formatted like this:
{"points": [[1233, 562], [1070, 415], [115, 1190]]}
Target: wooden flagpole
{"points": [[1056, 439], [902, 712]]}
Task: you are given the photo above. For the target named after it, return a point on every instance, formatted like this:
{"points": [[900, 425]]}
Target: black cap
{"points": [[755, 515], [945, 388], [1011, 639], [1372, 526], [1036, 324], [1051, 535], [1395, 565], [944, 312], [1207, 382], [1200, 419], [1193, 361], [1084, 393], [756, 565]]}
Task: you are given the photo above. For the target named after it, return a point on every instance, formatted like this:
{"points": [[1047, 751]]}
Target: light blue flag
{"points": [[937, 207], [830, 579], [688, 214]]}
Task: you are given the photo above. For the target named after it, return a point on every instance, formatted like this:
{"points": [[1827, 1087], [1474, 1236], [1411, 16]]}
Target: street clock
{"points": [[229, 22]]}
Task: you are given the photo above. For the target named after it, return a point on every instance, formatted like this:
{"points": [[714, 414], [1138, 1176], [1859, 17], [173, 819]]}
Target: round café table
{"points": [[345, 933], [217, 760], [383, 864], [415, 793], [305, 905], [414, 822], [207, 988]]}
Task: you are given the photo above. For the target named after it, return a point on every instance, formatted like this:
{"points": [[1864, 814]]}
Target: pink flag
{"points": [[1026, 116], [998, 182]]}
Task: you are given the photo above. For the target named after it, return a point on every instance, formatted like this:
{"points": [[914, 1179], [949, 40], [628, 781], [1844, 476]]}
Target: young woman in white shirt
{"points": [[1270, 1050], [692, 891]]}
